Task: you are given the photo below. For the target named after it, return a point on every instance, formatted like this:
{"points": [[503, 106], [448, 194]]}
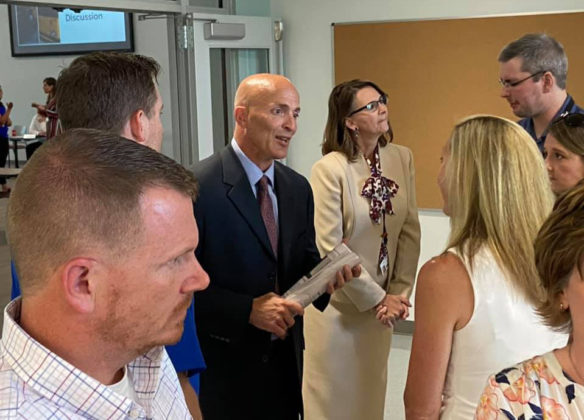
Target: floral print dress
{"points": [[535, 389]]}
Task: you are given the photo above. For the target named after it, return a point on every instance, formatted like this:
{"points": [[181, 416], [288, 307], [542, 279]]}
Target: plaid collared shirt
{"points": [[37, 384]]}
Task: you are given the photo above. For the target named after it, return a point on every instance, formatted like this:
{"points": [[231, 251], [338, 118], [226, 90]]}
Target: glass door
{"points": [[226, 50]]}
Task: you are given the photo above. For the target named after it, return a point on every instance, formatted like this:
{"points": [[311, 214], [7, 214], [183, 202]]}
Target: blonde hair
{"points": [[559, 249], [500, 196]]}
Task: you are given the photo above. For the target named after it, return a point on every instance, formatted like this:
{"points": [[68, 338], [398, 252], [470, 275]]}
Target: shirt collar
{"points": [[253, 172], [530, 126], [62, 383], [564, 107]]}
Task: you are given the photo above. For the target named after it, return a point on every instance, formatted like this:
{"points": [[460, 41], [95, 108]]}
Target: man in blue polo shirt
{"points": [[119, 93], [532, 72]]}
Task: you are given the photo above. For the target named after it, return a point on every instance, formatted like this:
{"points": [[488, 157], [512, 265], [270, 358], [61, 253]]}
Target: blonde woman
{"points": [[364, 193], [550, 386], [564, 152], [475, 303]]}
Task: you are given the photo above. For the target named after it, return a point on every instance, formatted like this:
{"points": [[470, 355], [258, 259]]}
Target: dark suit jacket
{"points": [[235, 250]]}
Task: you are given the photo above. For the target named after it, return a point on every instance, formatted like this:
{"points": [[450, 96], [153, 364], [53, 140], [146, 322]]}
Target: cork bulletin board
{"points": [[438, 71]]}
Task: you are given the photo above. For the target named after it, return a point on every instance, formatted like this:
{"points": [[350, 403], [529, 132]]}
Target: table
{"points": [[16, 140]]}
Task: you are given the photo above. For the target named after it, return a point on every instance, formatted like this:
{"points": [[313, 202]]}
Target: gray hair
{"points": [[540, 53]]}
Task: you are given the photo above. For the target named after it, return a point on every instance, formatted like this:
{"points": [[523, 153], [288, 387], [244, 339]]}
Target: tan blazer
{"points": [[341, 212]]}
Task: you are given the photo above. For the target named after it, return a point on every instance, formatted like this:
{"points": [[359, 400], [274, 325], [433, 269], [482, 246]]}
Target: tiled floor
{"points": [[399, 358]]}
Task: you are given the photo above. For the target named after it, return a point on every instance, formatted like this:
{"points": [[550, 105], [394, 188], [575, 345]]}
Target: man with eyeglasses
{"points": [[532, 74]]}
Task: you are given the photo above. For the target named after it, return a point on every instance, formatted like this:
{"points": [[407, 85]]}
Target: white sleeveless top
{"points": [[503, 330]]}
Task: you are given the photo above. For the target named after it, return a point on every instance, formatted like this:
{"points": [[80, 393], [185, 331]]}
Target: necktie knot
{"points": [[263, 184]]}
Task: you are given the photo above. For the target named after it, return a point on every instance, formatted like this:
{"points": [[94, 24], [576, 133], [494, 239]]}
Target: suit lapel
{"points": [[240, 194]]}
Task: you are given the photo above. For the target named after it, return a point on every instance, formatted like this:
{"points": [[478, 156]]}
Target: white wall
{"points": [[309, 63], [21, 77], [151, 39]]}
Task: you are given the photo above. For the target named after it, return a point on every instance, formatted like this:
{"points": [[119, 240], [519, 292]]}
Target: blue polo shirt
{"points": [[527, 123], [186, 355], [3, 128]]}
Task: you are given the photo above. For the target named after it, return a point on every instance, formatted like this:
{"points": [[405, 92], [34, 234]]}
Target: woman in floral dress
{"points": [[550, 386]]}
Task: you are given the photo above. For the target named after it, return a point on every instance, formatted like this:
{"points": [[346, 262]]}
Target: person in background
{"points": [[5, 122], [364, 194], [533, 71], [38, 125], [564, 152], [84, 339], [118, 92], [49, 110], [475, 303], [550, 386]]}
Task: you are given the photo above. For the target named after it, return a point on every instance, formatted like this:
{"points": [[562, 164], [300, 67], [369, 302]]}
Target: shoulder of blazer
{"points": [[335, 158], [221, 167], [207, 165], [405, 154], [336, 162], [286, 176]]}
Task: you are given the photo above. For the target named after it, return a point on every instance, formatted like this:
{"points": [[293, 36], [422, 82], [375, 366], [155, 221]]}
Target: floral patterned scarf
{"points": [[379, 190]]}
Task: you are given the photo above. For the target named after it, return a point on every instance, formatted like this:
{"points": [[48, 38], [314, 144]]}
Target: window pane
{"points": [[206, 3], [228, 68]]}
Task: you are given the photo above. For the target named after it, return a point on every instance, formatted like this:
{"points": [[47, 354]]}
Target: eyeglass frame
{"points": [[508, 85], [571, 119], [373, 104]]}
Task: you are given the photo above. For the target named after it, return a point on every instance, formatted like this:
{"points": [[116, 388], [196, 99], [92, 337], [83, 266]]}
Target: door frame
{"points": [[259, 34]]}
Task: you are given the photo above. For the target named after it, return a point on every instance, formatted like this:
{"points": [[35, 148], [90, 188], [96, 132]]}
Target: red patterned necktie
{"points": [[267, 211]]}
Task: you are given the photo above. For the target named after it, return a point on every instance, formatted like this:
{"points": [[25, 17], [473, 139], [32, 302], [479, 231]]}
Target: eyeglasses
{"points": [[507, 84], [371, 106], [571, 119]]}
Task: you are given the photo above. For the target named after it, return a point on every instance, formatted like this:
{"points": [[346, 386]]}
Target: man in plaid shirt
{"points": [[103, 235]]}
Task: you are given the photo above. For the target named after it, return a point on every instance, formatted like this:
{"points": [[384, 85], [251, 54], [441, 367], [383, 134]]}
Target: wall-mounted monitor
{"points": [[55, 31]]}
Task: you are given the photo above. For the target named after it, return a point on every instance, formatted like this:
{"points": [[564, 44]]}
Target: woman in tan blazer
{"points": [[364, 194]]}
